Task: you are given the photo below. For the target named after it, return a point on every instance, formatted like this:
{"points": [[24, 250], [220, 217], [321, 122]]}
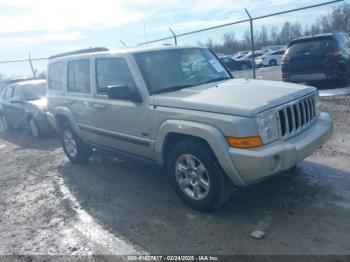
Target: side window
{"points": [[8, 93], [79, 76], [17, 93], [111, 72], [55, 79]]}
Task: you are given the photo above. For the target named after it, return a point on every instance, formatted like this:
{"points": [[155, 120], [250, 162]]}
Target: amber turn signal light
{"points": [[244, 142]]}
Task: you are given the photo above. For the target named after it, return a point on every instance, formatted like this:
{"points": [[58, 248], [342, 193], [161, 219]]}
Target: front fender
{"points": [[210, 134], [63, 111]]}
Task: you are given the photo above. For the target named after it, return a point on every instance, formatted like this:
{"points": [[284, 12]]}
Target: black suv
{"points": [[319, 57]]}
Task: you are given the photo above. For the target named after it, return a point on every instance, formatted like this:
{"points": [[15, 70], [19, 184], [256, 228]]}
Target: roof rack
{"points": [[82, 51]]}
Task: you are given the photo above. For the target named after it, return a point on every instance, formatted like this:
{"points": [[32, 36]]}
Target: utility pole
{"points": [[175, 36], [252, 42], [31, 66]]}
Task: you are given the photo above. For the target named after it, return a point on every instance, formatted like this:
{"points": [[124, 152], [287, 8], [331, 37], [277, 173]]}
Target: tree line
{"points": [[338, 19]]}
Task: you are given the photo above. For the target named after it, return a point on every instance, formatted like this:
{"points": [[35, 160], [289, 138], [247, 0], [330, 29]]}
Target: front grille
{"points": [[296, 116]]}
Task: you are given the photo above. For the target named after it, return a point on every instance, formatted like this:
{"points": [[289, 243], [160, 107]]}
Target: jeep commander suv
{"points": [[179, 107]]}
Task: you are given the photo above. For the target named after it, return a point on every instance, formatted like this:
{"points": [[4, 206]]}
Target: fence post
{"points": [[31, 66], [175, 36], [252, 42]]}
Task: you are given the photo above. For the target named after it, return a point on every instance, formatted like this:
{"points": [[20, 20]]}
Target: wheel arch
{"points": [[62, 116], [173, 131]]}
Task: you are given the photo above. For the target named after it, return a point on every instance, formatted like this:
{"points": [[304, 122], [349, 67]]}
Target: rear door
{"points": [[78, 95]]}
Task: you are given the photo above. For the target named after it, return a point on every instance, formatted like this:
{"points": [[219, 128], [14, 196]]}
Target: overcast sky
{"points": [[45, 27]]}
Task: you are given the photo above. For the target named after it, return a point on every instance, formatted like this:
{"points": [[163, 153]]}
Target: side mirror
{"points": [[16, 100], [121, 92]]}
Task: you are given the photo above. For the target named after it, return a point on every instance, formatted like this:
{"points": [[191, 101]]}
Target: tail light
{"points": [[334, 54], [285, 57]]}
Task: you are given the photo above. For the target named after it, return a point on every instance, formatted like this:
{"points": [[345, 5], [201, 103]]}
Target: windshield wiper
{"points": [[216, 80], [171, 89]]}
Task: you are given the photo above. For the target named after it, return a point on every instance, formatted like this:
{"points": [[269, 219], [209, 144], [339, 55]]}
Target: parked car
{"points": [[231, 64], [23, 104], [273, 58], [240, 54], [6, 82], [320, 57], [272, 48], [247, 60], [210, 131]]}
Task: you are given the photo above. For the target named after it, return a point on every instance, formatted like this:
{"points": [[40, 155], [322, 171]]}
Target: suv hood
{"points": [[234, 97]]}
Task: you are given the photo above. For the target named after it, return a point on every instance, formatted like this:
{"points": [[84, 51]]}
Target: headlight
{"points": [[268, 126], [317, 103]]}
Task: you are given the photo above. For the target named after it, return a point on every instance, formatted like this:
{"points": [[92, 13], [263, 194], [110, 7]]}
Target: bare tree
{"points": [[210, 43], [42, 75], [274, 35]]}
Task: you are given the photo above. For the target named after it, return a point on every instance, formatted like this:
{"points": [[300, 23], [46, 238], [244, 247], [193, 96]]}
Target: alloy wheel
{"points": [[192, 177]]}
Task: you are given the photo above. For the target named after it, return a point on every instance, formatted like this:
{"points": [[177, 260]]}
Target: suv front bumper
{"points": [[256, 164]]}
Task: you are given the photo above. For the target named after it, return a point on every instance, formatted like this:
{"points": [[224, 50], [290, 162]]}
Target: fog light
{"points": [[275, 163]]}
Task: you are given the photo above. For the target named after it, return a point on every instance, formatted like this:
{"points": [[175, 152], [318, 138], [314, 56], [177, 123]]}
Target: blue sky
{"points": [[45, 27]]}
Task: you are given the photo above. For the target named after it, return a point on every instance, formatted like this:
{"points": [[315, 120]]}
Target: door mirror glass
{"points": [[122, 92]]}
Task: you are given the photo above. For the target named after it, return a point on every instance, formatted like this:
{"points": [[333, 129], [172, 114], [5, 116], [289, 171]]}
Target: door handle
{"points": [[100, 106]]}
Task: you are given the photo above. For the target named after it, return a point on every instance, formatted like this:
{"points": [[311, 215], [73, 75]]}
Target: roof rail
{"points": [[82, 51]]}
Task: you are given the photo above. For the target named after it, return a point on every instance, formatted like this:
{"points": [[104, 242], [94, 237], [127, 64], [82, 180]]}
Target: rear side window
{"points": [[79, 76], [112, 72], [55, 79], [8, 93], [314, 47]]}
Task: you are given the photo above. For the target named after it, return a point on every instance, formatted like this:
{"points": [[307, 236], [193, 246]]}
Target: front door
{"points": [[17, 109], [117, 124]]}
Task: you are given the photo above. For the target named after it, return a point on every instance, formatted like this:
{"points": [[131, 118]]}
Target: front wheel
{"points": [[273, 63], [197, 177], [6, 125], [34, 128], [75, 148]]}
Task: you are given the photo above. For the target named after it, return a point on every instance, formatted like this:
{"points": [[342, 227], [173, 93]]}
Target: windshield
{"points": [[168, 70], [34, 92]]}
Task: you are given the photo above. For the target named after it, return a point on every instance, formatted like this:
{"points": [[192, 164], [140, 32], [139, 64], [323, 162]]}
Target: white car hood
{"points": [[235, 97]]}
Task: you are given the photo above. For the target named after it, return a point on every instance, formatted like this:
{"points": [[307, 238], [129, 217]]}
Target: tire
{"points": [[273, 62], [77, 151], [6, 125], [34, 128], [204, 190]]}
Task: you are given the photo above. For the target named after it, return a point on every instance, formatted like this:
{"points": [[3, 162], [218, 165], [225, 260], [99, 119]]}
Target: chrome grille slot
{"points": [[296, 116]]}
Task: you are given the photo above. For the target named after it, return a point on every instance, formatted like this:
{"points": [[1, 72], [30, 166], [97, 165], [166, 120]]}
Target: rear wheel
{"points": [[75, 148], [197, 177]]}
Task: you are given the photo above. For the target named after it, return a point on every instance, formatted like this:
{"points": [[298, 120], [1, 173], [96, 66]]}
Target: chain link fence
{"points": [[255, 46]]}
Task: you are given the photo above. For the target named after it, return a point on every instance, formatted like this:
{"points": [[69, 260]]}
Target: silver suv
{"points": [[179, 107]]}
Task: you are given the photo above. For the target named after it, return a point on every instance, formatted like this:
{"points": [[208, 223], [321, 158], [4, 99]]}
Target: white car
{"points": [[272, 58]]}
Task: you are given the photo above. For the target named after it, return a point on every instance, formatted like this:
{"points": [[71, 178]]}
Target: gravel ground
{"points": [[119, 206]]}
